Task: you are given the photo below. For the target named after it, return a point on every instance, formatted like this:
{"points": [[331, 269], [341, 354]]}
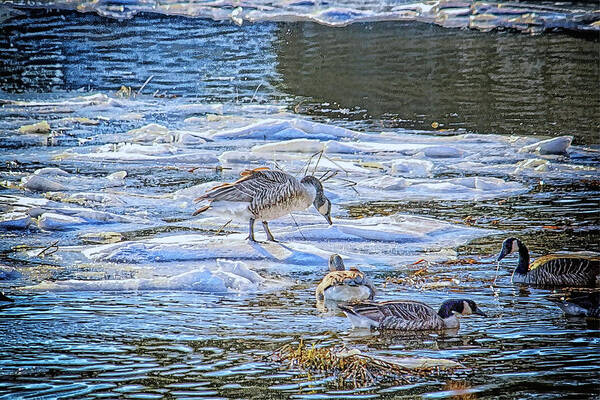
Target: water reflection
{"points": [[412, 75], [196, 345], [45, 51], [383, 74]]}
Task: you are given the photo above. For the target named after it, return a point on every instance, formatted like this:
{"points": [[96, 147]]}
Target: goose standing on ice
{"points": [[407, 315], [344, 285], [264, 195], [553, 269]]}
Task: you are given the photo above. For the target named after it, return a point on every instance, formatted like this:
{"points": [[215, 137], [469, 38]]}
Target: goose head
{"points": [[321, 202], [510, 245], [336, 263], [459, 306]]}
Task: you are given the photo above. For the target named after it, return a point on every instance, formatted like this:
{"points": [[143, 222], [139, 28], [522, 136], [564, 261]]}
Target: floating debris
{"points": [[79, 120], [124, 91], [40, 127], [353, 368], [423, 283], [101, 237], [420, 280]]}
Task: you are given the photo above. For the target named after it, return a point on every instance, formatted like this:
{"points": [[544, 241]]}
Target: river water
{"points": [[428, 131]]}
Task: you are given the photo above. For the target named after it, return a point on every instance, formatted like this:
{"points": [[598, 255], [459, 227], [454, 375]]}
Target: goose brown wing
{"points": [[564, 269], [352, 277], [253, 185], [397, 310], [363, 280], [335, 278]]}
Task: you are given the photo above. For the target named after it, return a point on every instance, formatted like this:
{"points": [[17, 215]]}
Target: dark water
{"points": [[411, 75], [167, 345], [382, 74], [185, 345]]}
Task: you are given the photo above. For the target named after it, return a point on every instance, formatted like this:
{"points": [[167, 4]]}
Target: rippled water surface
{"points": [[152, 318]]}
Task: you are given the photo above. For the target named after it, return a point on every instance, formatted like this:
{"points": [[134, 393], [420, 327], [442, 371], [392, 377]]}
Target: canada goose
{"points": [[552, 270], [584, 305], [262, 194], [407, 315], [344, 285]]}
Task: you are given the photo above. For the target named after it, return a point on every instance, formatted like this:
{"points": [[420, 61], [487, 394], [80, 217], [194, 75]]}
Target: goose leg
{"points": [[268, 232], [251, 233]]}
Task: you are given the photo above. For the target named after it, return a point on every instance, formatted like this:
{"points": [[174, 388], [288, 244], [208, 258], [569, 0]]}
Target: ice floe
{"points": [[309, 245], [158, 152], [485, 16], [155, 133], [411, 168], [558, 145], [58, 180], [38, 183], [284, 129], [194, 247], [468, 188], [441, 152], [204, 145], [52, 221], [226, 276], [9, 273], [294, 146], [15, 220]]}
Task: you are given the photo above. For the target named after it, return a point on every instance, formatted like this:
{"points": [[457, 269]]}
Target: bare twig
{"points": [[351, 184], [309, 162], [52, 246], [298, 226], [328, 175], [255, 90], [223, 227], [318, 160], [338, 165], [217, 168], [144, 85]]}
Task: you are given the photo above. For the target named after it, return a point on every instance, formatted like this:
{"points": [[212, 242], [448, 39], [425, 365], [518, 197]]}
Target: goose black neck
{"points": [[523, 266], [311, 180], [448, 306]]}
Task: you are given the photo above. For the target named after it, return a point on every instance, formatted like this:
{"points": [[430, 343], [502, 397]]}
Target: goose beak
{"points": [[479, 312], [328, 218], [503, 253]]}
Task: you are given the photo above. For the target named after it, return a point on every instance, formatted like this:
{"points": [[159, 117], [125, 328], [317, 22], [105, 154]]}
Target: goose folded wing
{"points": [[565, 263], [253, 184], [408, 310]]}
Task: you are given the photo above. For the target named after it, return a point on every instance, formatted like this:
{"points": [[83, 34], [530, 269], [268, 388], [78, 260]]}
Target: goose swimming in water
{"points": [[583, 305], [552, 270], [409, 315], [344, 285], [264, 195]]}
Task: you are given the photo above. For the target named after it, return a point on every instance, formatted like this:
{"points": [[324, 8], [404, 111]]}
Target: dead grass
{"points": [[350, 367]]}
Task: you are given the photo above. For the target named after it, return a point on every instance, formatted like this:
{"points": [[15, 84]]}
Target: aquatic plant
{"points": [[350, 367]]}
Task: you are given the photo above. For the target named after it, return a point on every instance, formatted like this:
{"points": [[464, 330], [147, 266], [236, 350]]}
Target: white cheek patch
{"points": [[467, 308], [515, 247], [323, 209]]}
